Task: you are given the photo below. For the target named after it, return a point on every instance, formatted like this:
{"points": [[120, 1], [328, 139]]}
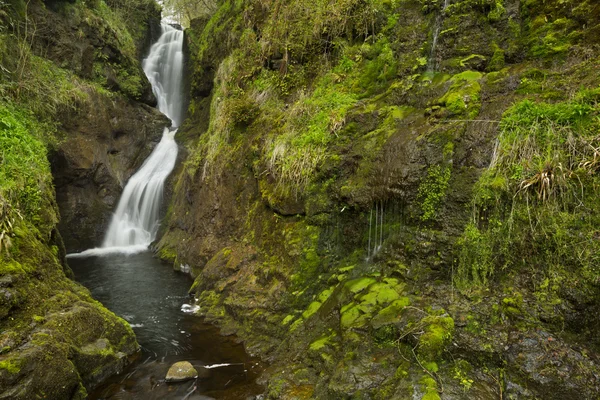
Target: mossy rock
{"points": [[181, 371], [438, 333], [349, 316], [312, 308], [359, 284], [463, 98], [391, 313]]}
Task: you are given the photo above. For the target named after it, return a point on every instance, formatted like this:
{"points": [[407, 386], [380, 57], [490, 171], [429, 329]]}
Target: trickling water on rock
{"points": [[431, 63]]}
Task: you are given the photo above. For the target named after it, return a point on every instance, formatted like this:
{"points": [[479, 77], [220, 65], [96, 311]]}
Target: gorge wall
{"points": [[396, 199], [75, 122]]}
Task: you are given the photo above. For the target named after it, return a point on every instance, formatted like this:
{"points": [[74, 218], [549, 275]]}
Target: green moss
{"points": [[432, 191], [438, 333], [430, 388], [461, 374], [473, 58], [10, 366], [312, 308], [24, 173], [467, 76], [498, 11], [349, 316], [322, 342], [387, 295], [497, 62], [463, 96], [391, 313], [431, 366], [476, 255], [359, 284], [167, 253], [324, 295]]}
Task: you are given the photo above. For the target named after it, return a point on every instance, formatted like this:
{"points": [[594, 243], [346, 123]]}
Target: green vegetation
{"points": [[463, 96], [433, 190], [47, 319], [533, 193], [25, 173], [11, 366], [311, 114]]}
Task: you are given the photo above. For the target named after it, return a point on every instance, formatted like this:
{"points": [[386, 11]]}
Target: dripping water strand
{"points": [[431, 63], [369, 244], [376, 233]]}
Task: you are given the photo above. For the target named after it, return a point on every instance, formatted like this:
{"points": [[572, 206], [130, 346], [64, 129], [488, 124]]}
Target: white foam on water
{"points": [[104, 251], [218, 366], [190, 308]]}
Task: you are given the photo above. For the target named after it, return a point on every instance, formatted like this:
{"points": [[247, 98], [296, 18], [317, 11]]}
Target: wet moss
{"points": [[432, 191], [438, 333], [463, 96], [322, 342], [10, 366]]}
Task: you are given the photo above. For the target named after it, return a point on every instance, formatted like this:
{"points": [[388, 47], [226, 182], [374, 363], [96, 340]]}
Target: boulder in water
{"points": [[181, 371]]}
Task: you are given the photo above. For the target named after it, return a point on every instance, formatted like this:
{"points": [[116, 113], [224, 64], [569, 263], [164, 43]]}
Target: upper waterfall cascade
{"points": [[164, 69], [136, 220]]}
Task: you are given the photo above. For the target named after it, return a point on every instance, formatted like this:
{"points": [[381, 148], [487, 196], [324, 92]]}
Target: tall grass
{"points": [[536, 207]]}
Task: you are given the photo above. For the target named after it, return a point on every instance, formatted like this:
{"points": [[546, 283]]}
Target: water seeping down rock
{"points": [[316, 129]]}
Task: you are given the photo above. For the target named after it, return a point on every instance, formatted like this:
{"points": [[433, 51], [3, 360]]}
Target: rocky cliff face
{"points": [[380, 197], [72, 93], [111, 133], [105, 143]]}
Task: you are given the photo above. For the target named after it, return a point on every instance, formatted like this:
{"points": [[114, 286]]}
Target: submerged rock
{"points": [[181, 371]]}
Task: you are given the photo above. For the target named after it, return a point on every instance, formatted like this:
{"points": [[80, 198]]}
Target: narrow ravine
{"points": [[127, 279]]}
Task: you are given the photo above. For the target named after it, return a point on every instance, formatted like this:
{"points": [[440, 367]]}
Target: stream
{"points": [[125, 277], [153, 298]]}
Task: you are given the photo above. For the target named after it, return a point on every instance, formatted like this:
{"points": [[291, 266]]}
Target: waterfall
{"points": [[135, 223], [136, 220], [164, 69]]}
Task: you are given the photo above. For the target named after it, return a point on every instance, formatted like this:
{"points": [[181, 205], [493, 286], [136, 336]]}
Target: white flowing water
{"points": [[164, 69], [136, 220], [431, 64]]}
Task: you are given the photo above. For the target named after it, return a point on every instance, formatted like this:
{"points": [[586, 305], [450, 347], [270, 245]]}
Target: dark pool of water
{"points": [[150, 295]]}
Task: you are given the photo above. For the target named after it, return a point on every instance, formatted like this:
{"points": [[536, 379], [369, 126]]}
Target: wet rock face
{"points": [[105, 144]]}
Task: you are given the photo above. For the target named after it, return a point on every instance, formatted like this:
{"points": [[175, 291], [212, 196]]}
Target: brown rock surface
{"points": [[105, 144]]}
